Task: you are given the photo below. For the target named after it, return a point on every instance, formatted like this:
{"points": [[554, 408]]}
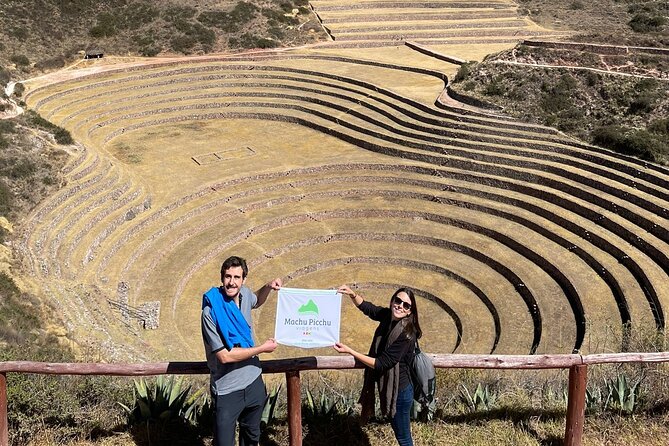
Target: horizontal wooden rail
{"points": [[577, 365], [332, 363]]}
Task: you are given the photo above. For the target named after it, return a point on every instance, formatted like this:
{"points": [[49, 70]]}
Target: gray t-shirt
{"points": [[233, 376]]}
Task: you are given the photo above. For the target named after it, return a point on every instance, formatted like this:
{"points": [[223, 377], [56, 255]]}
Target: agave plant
{"points": [[164, 400], [423, 413], [270, 406], [481, 399], [593, 399], [324, 409], [623, 396], [199, 406]]}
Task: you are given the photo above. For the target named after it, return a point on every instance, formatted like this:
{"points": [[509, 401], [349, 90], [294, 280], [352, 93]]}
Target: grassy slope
{"points": [[37, 35], [623, 113]]}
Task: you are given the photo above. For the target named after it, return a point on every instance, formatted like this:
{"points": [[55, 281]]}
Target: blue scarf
{"points": [[228, 318]]}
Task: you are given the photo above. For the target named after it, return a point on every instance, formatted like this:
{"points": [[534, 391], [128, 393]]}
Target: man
{"points": [[232, 356]]}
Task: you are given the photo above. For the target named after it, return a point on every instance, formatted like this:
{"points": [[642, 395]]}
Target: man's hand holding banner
{"points": [[307, 318]]}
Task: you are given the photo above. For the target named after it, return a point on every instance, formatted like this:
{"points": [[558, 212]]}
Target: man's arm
{"points": [[264, 291], [238, 354], [214, 341]]}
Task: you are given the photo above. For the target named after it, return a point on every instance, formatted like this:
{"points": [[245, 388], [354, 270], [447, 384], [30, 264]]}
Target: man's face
{"points": [[233, 280]]}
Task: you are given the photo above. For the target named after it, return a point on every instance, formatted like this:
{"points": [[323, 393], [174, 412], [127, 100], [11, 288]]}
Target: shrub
{"points": [[106, 25], [645, 145], [138, 14], [74, 7], [243, 12], [218, 19], [494, 88], [19, 89], [6, 199], [7, 285], [150, 51], [179, 13], [645, 23], [463, 72], [276, 32], [558, 97], [51, 63], [19, 33], [4, 142], [275, 17], [609, 136], [7, 126], [641, 143], [22, 169], [469, 86], [250, 41], [592, 78], [647, 85], [5, 76], [642, 104], [661, 126], [63, 136], [183, 43], [20, 59]]}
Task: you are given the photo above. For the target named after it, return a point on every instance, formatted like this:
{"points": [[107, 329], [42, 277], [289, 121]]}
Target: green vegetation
{"points": [[61, 135], [25, 165], [622, 395], [648, 145], [166, 400], [621, 113], [5, 76], [628, 22], [53, 38], [20, 59], [480, 399], [649, 17]]}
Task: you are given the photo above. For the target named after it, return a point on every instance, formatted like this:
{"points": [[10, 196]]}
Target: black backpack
{"points": [[423, 379]]}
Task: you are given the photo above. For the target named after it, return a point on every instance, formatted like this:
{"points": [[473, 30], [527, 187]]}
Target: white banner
{"points": [[307, 318]]}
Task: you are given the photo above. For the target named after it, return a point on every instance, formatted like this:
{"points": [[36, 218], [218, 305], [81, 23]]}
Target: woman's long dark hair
{"points": [[413, 326]]}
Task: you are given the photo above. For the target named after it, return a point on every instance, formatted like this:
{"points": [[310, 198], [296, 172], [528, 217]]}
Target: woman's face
{"points": [[400, 306]]}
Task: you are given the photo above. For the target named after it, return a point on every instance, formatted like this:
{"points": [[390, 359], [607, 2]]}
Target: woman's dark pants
{"points": [[401, 421]]}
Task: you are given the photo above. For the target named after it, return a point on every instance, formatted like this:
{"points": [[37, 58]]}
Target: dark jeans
{"points": [[245, 406], [401, 421]]}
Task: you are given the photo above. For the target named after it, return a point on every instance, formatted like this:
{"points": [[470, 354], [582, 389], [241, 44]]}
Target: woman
{"points": [[390, 357]]}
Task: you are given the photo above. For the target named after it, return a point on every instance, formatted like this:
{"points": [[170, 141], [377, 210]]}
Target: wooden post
{"points": [[294, 408], [4, 428], [576, 405]]}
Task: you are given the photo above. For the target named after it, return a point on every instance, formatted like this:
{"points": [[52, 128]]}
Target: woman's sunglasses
{"points": [[405, 305]]}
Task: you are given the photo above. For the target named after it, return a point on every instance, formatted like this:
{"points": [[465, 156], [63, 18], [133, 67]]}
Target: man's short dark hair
{"points": [[234, 262]]}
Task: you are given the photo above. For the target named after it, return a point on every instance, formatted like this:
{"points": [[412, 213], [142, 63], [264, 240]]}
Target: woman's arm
{"points": [[393, 353], [370, 310], [355, 298], [366, 360]]}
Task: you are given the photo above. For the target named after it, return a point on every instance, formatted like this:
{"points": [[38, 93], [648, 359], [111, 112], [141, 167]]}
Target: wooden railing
{"points": [[577, 365]]}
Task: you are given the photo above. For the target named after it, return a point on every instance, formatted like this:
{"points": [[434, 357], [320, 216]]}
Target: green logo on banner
{"points": [[309, 308]]}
